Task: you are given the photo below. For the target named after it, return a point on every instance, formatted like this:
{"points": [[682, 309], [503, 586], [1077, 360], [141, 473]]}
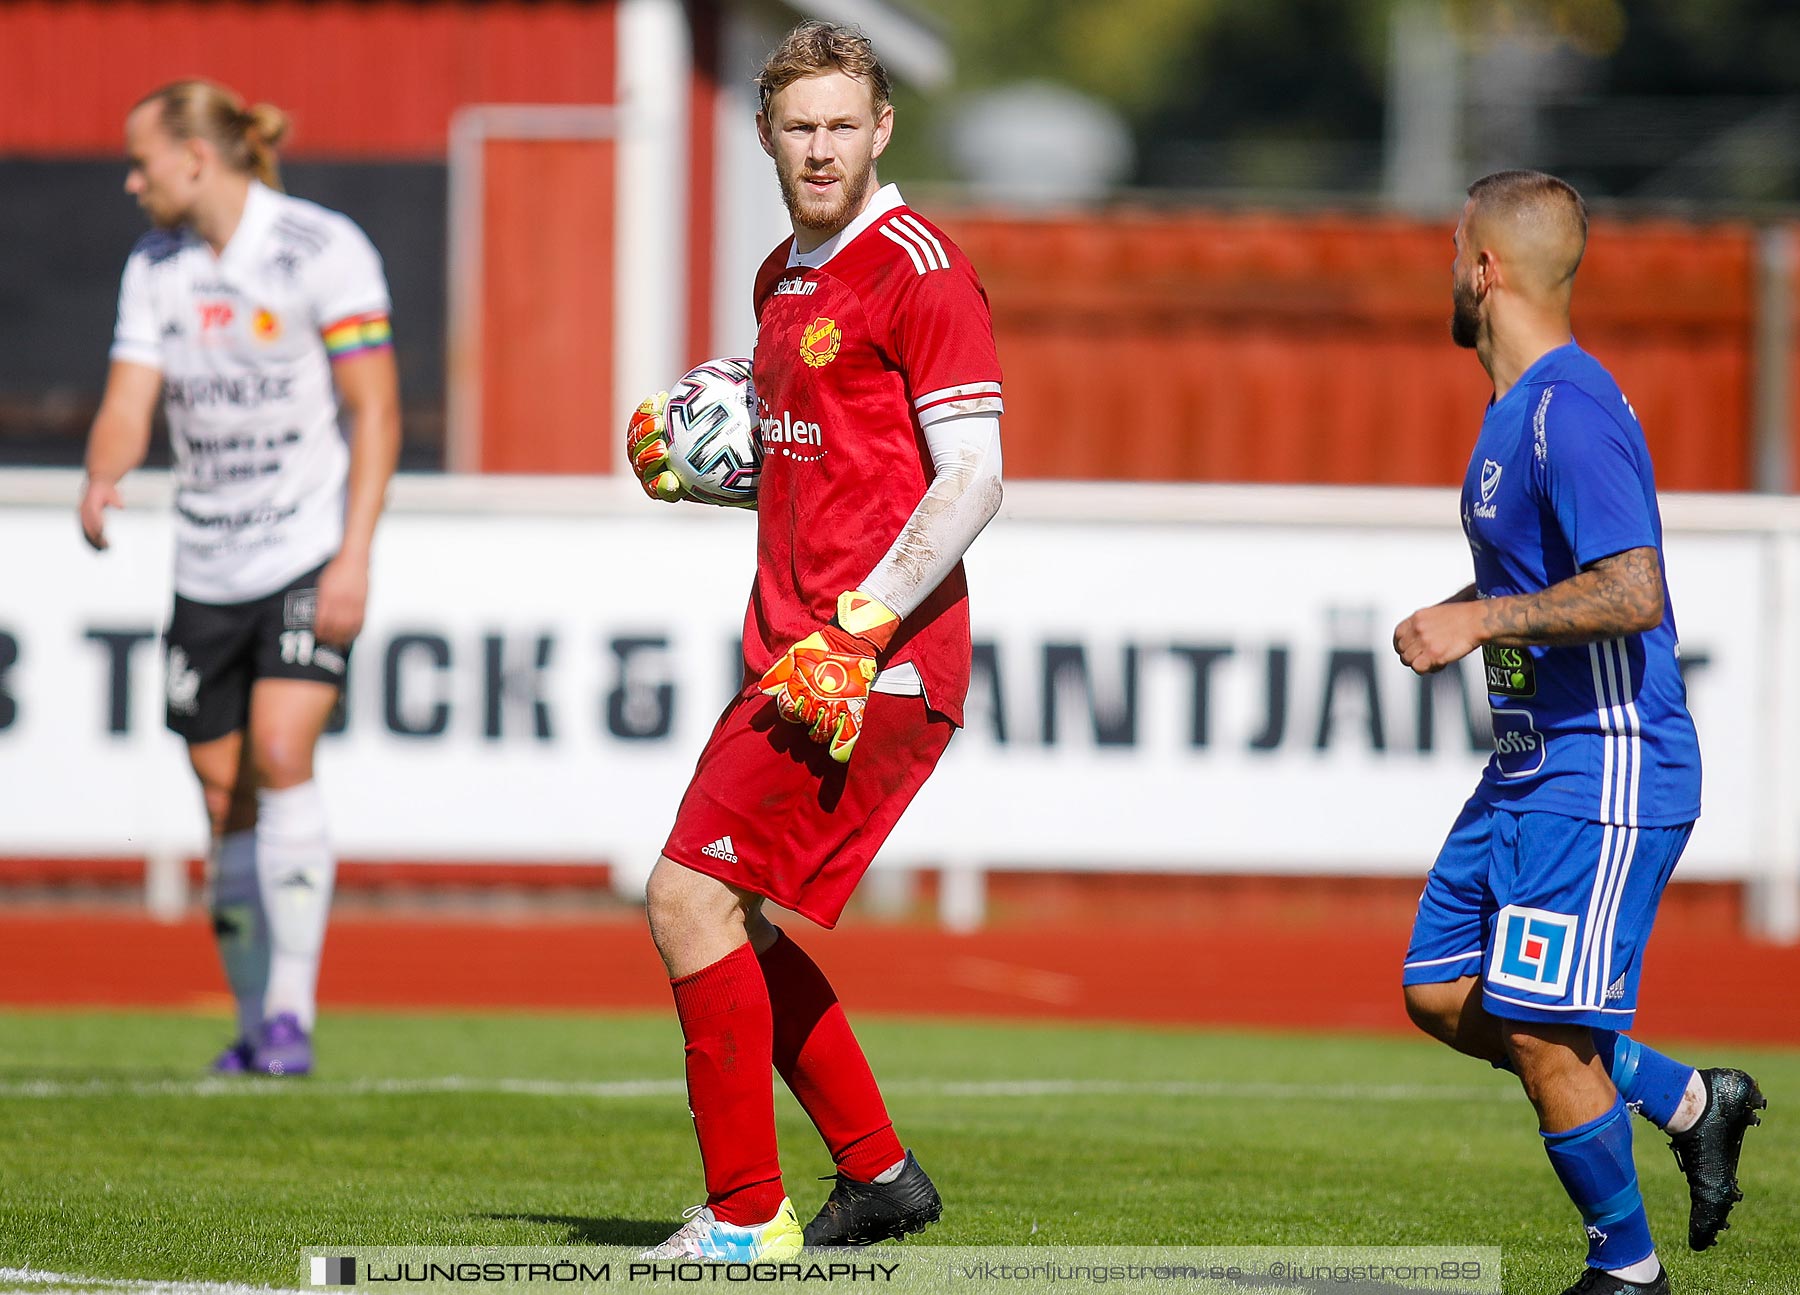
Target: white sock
{"points": [[892, 1171], [297, 870], [1642, 1271], [240, 927], [1693, 1106]]}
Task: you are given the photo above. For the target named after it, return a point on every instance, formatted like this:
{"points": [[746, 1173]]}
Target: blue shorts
{"points": [[1551, 912]]}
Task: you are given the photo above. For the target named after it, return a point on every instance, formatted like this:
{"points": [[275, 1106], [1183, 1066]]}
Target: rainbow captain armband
{"points": [[357, 334]]}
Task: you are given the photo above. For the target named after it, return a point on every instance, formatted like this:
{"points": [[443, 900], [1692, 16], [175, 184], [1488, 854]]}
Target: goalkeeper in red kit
{"points": [[879, 396]]}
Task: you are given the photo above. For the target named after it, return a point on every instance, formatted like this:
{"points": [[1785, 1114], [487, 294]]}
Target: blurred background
{"points": [[1216, 239], [1222, 177]]}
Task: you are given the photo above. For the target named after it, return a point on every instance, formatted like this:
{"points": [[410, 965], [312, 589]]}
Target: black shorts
{"points": [[216, 651]]}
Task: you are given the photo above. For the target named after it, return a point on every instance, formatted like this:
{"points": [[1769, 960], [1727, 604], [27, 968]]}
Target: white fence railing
{"points": [[1173, 678]]}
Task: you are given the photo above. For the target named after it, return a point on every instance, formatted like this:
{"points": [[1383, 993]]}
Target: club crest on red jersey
{"points": [[819, 342]]}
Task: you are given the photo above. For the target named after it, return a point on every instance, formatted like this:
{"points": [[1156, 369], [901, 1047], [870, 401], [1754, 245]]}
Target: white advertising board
{"points": [[1198, 681]]}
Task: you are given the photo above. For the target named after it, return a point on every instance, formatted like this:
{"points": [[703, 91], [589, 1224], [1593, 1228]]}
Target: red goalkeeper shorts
{"points": [[771, 812]]}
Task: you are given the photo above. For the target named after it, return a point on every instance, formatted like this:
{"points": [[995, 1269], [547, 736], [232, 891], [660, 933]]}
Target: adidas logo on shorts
{"points": [[721, 849]]}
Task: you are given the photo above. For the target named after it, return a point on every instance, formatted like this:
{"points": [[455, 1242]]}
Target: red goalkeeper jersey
{"points": [[860, 345]]}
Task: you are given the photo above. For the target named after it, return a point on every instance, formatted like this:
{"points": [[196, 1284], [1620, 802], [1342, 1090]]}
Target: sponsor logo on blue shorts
{"points": [[1533, 950]]}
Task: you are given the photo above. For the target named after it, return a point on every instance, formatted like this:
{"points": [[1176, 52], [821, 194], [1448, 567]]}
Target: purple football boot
{"points": [[285, 1048], [235, 1060]]}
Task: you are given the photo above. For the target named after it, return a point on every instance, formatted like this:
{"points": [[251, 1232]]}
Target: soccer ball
{"points": [[715, 449]]}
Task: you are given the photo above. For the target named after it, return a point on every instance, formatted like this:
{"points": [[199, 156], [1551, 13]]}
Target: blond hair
{"points": [[246, 138], [815, 48]]}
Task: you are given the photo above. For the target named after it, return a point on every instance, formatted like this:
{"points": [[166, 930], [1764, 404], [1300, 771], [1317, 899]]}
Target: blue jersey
{"points": [[1561, 478]]}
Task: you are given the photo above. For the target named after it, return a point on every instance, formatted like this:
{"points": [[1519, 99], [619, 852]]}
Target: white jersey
{"points": [[240, 340]]}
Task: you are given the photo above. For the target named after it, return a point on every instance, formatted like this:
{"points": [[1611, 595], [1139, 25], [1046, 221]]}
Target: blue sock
{"points": [[1648, 1081], [1594, 1162]]}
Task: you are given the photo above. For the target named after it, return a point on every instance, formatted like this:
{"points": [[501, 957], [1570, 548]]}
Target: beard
{"points": [[1465, 316], [835, 211]]}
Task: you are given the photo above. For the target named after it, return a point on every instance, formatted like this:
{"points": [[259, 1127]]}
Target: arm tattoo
{"points": [[1622, 594]]}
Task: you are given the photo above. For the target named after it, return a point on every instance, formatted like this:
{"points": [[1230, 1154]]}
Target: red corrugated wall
{"points": [[1282, 348], [378, 79], [547, 289], [1197, 346]]}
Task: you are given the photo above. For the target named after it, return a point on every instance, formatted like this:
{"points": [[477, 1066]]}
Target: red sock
{"points": [[724, 1011], [819, 1057]]}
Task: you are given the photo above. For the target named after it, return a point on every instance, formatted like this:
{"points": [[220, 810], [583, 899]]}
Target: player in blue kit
{"points": [[1530, 934]]}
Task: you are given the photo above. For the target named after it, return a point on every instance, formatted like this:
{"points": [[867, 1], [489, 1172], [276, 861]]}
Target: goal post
{"points": [[565, 284]]}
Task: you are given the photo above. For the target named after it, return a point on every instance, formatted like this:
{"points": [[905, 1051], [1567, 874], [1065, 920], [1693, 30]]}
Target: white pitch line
{"points": [[626, 1089], [1192, 1089], [262, 1087], [37, 1282]]}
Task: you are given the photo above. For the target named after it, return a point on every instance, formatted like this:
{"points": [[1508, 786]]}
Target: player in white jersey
{"points": [[258, 318]]}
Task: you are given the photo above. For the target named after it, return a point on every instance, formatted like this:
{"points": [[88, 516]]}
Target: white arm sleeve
{"points": [[963, 498]]}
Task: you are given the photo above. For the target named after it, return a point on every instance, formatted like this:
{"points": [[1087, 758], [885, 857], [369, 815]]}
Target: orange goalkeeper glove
{"points": [[823, 680], [647, 446]]}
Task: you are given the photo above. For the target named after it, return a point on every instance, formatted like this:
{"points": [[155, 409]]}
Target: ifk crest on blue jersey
{"points": [[1559, 479]]}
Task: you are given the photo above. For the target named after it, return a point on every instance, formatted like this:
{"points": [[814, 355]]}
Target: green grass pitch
{"points": [[117, 1162]]}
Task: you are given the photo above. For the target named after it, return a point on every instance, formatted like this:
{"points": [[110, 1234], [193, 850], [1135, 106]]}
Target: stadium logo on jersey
{"points": [[819, 342], [1519, 748], [265, 326], [182, 685], [1533, 950], [796, 287]]}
